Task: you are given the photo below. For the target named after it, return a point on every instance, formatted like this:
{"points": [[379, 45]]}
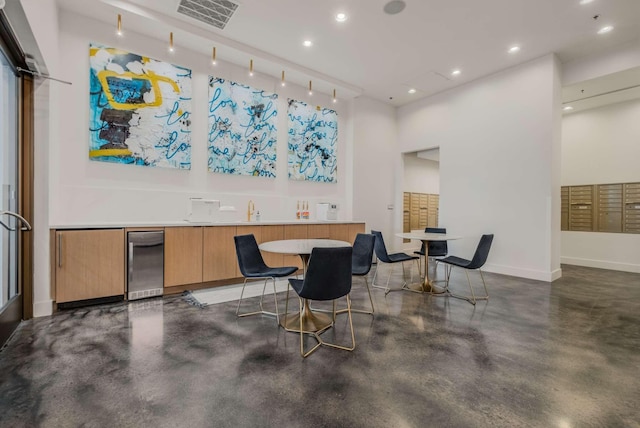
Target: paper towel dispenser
{"points": [[326, 211]]}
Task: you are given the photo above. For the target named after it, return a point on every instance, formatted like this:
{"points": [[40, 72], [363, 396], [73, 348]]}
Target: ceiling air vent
{"points": [[212, 12]]}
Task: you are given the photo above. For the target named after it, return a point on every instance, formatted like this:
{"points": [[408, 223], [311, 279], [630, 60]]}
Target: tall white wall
{"points": [[85, 192], [421, 175], [499, 164], [376, 165], [600, 146]]}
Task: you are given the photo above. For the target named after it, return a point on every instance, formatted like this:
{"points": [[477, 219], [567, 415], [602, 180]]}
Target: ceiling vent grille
{"points": [[212, 12]]}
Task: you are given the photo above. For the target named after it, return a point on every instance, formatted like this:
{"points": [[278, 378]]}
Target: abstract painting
{"points": [[242, 129], [140, 110], [313, 139]]}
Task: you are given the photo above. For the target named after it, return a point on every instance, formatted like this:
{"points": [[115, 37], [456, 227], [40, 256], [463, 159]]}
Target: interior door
{"points": [[11, 224]]}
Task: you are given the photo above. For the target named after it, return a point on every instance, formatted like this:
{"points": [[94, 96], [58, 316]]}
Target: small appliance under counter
{"points": [[145, 264]]}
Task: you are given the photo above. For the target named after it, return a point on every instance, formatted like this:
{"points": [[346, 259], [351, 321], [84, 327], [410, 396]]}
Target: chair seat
{"points": [[456, 261], [360, 270], [401, 257], [276, 272], [420, 253]]}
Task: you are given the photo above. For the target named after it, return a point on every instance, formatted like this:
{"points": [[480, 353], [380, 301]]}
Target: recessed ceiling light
{"points": [[456, 72], [605, 30], [514, 49], [567, 108], [394, 6], [412, 91], [307, 43], [583, 2], [341, 17]]}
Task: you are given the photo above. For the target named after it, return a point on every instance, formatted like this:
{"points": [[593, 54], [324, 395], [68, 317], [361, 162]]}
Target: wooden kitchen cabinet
{"points": [[294, 231], [272, 233], [219, 253], [182, 255], [89, 264]]}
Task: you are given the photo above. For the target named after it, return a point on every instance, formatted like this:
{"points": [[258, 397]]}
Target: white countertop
{"points": [[118, 225]]}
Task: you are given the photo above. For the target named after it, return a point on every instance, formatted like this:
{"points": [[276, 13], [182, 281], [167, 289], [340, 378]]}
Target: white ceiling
{"points": [[380, 55]]}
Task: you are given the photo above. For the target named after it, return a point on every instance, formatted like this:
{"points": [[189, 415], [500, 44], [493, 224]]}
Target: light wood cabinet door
{"points": [[89, 264], [272, 233], [219, 259], [339, 232], [318, 231], [182, 255], [354, 229], [294, 231]]}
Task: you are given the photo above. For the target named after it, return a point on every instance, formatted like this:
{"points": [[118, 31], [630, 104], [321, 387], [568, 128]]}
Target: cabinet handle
{"points": [[130, 272], [59, 250]]}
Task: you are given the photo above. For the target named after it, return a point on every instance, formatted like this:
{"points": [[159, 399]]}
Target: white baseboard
{"points": [[43, 308], [546, 276], [601, 264]]}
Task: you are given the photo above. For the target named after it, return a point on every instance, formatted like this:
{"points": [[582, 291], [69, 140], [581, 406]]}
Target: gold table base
{"points": [[425, 287], [312, 322]]}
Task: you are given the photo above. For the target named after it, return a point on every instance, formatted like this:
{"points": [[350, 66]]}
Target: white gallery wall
{"points": [[86, 192], [376, 164], [499, 141], [601, 146], [421, 175]]}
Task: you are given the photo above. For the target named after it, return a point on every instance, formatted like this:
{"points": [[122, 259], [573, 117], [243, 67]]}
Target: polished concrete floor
{"points": [[565, 354]]}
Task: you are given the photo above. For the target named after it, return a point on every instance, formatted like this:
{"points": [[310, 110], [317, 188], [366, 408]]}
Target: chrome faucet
{"points": [[250, 210]]}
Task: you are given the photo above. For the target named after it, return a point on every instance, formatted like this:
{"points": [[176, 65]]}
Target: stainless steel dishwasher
{"points": [[145, 264]]}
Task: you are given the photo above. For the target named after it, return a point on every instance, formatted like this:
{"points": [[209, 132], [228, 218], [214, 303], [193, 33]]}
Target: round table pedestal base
{"points": [[311, 322], [425, 287]]}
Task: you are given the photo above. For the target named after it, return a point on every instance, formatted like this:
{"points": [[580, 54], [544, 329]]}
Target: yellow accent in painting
{"points": [[150, 76], [109, 152]]}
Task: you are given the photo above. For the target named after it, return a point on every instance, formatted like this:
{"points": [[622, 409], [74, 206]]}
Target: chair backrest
{"points": [[437, 248], [482, 252], [250, 259], [362, 254], [328, 274], [380, 248]]}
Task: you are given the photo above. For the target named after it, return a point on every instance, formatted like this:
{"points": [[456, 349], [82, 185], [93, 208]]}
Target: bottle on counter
{"points": [[298, 211], [305, 210], [257, 215]]}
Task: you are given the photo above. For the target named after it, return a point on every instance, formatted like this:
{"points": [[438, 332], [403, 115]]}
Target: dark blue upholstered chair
{"points": [[383, 256], [436, 248], [328, 277], [253, 267], [361, 263], [478, 260]]}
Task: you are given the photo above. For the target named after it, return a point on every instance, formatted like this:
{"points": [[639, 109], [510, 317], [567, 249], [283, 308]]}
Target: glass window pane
{"points": [[8, 179]]}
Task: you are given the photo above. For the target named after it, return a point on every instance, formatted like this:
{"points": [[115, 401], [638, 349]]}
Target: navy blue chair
{"points": [[253, 267], [436, 248], [328, 277], [361, 259], [478, 260], [384, 257]]}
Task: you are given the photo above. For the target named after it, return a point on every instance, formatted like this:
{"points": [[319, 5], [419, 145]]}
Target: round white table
{"points": [[427, 284], [311, 321]]}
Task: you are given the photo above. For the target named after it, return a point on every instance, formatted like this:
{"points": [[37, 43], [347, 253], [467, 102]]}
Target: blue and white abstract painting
{"points": [[313, 142], [242, 129], [139, 110]]}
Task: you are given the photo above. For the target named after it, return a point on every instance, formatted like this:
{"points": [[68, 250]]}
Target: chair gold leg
{"points": [[473, 299], [302, 333], [261, 311], [321, 342], [385, 288], [362, 311]]}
